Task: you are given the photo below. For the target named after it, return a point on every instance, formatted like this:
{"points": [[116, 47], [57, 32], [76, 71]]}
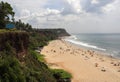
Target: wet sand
{"points": [[84, 65]]}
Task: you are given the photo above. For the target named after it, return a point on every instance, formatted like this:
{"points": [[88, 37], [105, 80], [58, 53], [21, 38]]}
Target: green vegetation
{"points": [[6, 11], [39, 39], [37, 56], [22, 26], [10, 70], [14, 41], [61, 74], [19, 61], [28, 63], [20, 47], [11, 30]]}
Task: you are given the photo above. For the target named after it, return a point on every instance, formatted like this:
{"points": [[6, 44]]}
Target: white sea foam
{"points": [[84, 44], [72, 37]]}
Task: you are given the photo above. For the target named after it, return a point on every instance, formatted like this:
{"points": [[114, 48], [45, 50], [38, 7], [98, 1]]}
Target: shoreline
{"points": [[97, 51], [91, 47], [83, 64]]}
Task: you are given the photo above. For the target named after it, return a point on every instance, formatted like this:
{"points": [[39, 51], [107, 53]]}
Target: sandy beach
{"points": [[84, 65]]}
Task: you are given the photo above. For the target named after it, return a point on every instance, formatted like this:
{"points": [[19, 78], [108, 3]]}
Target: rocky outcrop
{"points": [[53, 32]]}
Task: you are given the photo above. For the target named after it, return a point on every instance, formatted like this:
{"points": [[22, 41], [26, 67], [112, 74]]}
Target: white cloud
{"points": [[74, 15], [52, 11], [94, 1], [112, 7], [94, 6], [46, 12], [75, 4], [25, 12], [78, 6]]}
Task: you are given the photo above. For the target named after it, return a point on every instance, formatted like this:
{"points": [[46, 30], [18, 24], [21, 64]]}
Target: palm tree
{"points": [[5, 12]]}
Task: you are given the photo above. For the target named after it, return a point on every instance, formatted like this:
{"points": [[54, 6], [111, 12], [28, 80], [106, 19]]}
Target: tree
{"points": [[5, 12], [22, 26]]}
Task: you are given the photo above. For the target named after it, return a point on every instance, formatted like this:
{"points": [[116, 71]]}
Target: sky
{"points": [[76, 16]]}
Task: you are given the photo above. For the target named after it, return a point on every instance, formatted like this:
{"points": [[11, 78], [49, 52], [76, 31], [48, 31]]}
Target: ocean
{"points": [[106, 43]]}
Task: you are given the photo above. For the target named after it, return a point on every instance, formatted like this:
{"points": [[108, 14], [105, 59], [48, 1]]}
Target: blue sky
{"points": [[77, 16]]}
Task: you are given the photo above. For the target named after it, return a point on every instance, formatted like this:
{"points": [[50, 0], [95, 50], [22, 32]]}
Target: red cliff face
{"points": [[16, 42]]}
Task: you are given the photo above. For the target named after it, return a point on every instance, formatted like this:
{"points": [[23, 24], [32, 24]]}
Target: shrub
{"points": [[61, 75], [10, 70]]}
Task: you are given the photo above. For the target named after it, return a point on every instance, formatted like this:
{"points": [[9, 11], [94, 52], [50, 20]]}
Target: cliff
{"points": [[54, 32], [16, 41], [18, 60]]}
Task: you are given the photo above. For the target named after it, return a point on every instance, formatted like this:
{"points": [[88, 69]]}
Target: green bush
{"points": [[10, 70], [59, 73], [37, 56]]}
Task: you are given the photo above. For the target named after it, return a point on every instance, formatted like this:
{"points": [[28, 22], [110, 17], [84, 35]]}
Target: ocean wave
{"points": [[85, 44], [73, 37]]}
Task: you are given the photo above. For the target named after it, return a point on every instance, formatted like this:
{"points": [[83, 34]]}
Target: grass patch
{"points": [[40, 57], [61, 74], [9, 30], [37, 56]]}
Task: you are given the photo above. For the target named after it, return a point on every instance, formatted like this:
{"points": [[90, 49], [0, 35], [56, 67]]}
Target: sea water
{"points": [[107, 43]]}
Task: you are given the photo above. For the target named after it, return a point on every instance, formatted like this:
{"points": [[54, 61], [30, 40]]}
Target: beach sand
{"points": [[84, 65]]}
